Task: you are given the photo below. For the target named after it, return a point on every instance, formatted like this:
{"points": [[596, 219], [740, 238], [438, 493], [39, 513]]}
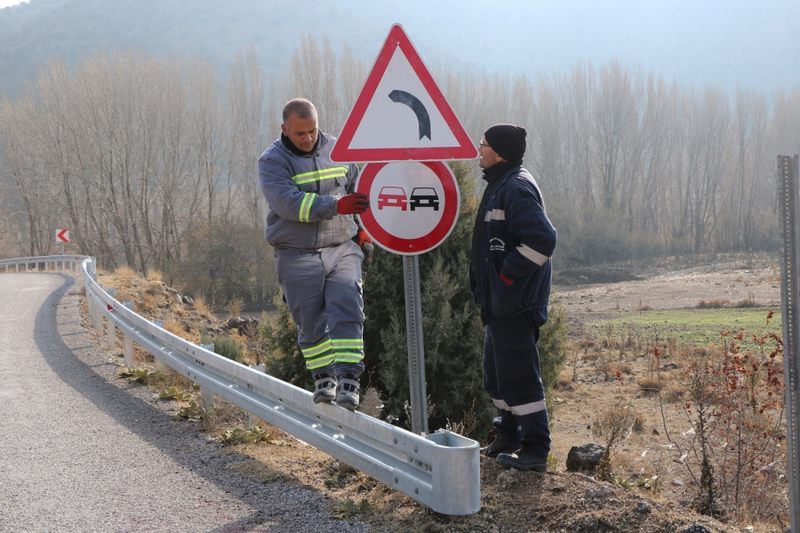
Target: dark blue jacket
{"points": [[512, 235]]}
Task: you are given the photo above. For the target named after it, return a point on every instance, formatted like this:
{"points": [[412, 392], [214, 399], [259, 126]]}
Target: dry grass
{"points": [[182, 329], [125, 273], [713, 304], [148, 304], [673, 393], [649, 385], [201, 307], [169, 378], [235, 307], [154, 275]]}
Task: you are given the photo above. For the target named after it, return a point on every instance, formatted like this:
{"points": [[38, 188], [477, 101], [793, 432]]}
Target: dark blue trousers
{"points": [[512, 376]]}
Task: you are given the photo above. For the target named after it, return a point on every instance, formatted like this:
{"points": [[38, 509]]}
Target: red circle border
{"points": [[426, 242]]}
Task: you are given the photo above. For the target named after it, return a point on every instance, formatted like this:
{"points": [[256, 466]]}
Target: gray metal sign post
{"points": [[416, 351], [788, 191]]}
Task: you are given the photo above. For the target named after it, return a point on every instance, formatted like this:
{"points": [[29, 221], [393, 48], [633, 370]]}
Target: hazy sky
{"points": [[7, 3], [727, 44]]}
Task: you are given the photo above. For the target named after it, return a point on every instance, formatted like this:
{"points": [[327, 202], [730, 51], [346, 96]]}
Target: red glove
{"points": [[352, 203], [508, 282], [362, 237], [363, 240]]}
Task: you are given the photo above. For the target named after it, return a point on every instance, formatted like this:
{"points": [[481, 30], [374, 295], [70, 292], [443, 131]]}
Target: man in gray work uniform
{"points": [[310, 225]]}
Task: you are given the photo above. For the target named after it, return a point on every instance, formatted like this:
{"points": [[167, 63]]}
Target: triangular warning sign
{"points": [[401, 114]]}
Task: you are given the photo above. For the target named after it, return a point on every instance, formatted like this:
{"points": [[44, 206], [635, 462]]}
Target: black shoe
{"points": [[501, 444], [523, 460]]}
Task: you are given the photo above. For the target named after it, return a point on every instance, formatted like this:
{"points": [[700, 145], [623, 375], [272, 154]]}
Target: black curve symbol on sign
{"points": [[403, 97]]}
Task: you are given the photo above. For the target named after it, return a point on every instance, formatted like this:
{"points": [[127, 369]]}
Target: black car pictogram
{"points": [[424, 197]]}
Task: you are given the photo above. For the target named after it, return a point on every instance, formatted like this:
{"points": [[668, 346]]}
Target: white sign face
{"points": [[413, 206], [393, 123]]}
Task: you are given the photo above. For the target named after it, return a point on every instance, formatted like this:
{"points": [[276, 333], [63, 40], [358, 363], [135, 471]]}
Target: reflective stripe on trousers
{"points": [[324, 294]]}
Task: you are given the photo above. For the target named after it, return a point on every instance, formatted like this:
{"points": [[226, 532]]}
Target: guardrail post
{"points": [[160, 366], [97, 316], [111, 330], [89, 302], [252, 419], [206, 394], [111, 333], [206, 398], [127, 341]]}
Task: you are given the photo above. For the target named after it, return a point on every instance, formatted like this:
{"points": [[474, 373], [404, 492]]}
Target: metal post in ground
{"points": [[111, 330], [790, 281], [416, 352], [127, 342]]}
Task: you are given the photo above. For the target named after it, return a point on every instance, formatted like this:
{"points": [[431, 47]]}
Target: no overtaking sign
{"points": [[413, 206]]}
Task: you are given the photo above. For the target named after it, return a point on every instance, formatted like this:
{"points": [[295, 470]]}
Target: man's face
{"points": [[301, 131], [487, 157]]}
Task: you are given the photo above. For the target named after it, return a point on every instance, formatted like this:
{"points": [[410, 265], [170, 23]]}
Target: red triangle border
{"points": [[342, 151]]}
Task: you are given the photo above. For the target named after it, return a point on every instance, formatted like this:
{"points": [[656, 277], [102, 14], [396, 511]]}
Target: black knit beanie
{"points": [[507, 140]]}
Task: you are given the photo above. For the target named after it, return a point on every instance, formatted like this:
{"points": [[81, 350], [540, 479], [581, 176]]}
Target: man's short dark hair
{"points": [[301, 107]]}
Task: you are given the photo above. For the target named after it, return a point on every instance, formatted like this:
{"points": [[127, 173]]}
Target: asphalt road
{"points": [[83, 451]]}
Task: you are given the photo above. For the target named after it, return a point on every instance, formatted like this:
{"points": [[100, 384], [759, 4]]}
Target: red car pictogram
{"points": [[392, 197]]}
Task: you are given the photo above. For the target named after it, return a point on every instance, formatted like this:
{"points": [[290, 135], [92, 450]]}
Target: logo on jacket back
{"points": [[496, 245]]}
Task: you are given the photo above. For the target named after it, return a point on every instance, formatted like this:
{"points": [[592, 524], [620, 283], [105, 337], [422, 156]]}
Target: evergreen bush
{"points": [[228, 347], [278, 339], [552, 347]]}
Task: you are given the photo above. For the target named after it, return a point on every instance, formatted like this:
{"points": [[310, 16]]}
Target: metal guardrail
{"points": [[48, 263], [440, 470]]}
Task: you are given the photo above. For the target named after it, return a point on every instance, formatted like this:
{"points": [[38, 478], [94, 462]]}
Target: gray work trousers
{"points": [[324, 293]]}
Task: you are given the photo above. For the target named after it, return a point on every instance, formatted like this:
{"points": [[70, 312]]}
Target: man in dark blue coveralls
{"points": [[510, 275]]}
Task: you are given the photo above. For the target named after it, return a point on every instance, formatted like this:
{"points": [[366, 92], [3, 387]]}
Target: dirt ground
{"points": [[653, 491], [593, 294]]}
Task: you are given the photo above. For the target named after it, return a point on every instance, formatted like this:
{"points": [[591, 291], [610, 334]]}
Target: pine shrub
{"points": [[228, 347], [282, 357]]}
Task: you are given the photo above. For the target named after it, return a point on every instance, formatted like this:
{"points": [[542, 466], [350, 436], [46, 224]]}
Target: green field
{"points": [[687, 326]]}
